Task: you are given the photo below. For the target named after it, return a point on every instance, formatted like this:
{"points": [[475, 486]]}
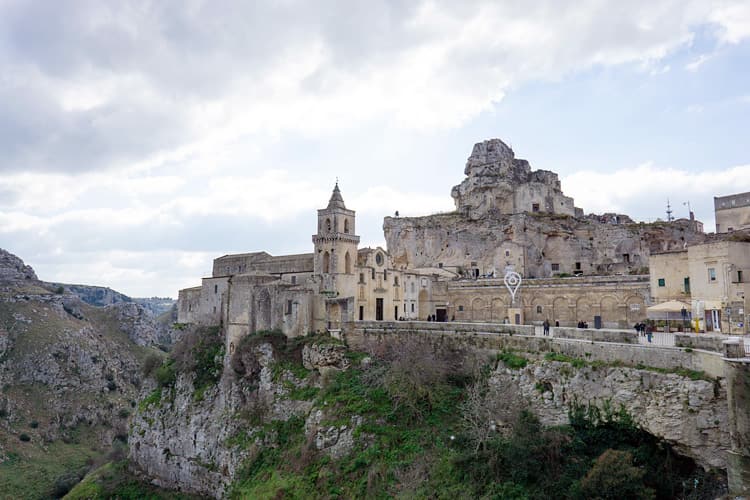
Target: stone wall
{"points": [[700, 341], [492, 337], [593, 335], [619, 300]]}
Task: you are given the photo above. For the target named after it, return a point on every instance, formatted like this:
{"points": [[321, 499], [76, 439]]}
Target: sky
{"points": [[139, 140]]}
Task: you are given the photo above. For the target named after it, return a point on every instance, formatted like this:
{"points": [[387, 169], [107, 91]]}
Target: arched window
{"points": [[328, 225], [326, 262], [346, 226], [347, 264], [395, 280]]}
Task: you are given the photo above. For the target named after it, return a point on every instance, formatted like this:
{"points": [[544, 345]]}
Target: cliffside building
{"points": [[337, 282], [712, 277], [732, 212], [449, 266]]}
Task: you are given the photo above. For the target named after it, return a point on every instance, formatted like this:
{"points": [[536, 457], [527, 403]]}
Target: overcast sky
{"points": [[140, 140]]}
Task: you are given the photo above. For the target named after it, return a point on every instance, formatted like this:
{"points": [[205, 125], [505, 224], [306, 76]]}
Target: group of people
{"points": [[583, 324], [644, 330]]}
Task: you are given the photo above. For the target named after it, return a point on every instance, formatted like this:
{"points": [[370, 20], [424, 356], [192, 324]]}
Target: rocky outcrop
{"points": [[192, 445], [324, 357], [691, 415], [137, 323], [13, 269], [499, 184]]}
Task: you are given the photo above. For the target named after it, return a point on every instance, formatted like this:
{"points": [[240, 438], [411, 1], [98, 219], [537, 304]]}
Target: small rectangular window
{"points": [[661, 282], [555, 267], [461, 308], [294, 280], [289, 307], [535, 207], [361, 277], [412, 308], [686, 283], [578, 266], [216, 288], [739, 276], [711, 274]]}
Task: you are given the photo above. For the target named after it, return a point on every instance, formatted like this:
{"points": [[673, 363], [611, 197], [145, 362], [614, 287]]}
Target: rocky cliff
{"points": [[509, 215], [689, 414], [70, 374], [191, 437]]}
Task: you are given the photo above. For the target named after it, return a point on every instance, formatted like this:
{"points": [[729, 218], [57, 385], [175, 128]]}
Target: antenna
{"points": [[670, 218]]}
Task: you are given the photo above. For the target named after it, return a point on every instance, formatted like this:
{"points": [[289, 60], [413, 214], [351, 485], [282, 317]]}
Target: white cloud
{"points": [[696, 63]]}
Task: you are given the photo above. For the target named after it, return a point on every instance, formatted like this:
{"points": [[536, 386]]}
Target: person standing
{"points": [[546, 327]]}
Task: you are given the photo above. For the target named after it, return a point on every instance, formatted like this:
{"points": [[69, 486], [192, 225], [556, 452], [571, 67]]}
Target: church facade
{"points": [[336, 283]]}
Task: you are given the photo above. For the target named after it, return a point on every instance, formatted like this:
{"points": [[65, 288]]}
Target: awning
{"points": [[671, 306], [669, 310]]}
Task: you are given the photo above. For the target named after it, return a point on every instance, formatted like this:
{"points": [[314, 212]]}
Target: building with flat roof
{"points": [[732, 212]]}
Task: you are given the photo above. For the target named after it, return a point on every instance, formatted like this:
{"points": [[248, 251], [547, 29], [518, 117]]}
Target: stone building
{"points": [[297, 294], [732, 212], [712, 277], [448, 266]]}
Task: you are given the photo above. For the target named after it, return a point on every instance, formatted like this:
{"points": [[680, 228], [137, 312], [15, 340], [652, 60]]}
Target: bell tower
{"points": [[336, 247]]}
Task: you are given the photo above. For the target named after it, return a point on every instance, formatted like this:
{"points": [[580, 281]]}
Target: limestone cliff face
{"points": [[507, 214], [182, 443], [538, 245], [64, 364], [689, 414]]}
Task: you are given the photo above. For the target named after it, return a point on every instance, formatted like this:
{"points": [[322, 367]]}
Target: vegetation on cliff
{"points": [[415, 440]]}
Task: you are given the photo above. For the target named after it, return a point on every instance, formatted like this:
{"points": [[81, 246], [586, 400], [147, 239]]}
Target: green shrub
{"points": [[150, 364], [24, 437], [511, 360], [166, 375], [34, 424]]}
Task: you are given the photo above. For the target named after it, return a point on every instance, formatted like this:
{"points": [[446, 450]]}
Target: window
{"points": [[361, 277], [686, 283], [661, 282], [216, 288], [326, 262], [578, 266], [361, 313], [373, 273], [214, 308], [626, 257], [328, 225], [555, 267], [395, 280], [294, 280], [190, 307], [440, 265], [711, 274], [507, 253], [347, 264], [535, 207], [379, 259], [460, 308], [412, 308], [385, 275], [539, 309], [346, 226], [289, 307], [739, 276]]}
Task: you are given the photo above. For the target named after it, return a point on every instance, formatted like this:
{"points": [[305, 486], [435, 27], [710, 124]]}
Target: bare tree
{"points": [[490, 407]]}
